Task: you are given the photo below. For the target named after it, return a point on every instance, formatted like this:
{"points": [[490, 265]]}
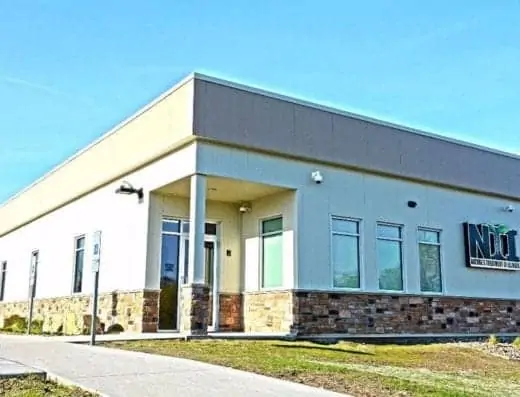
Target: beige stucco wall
{"points": [[122, 220], [156, 131], [372, 199], [226, 214]]}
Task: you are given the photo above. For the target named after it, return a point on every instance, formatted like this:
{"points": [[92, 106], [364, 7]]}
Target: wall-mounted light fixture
{"points": [[127, 188], [412, 204]]}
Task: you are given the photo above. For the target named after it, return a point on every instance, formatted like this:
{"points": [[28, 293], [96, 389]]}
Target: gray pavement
{"points": [[118, 373], [10, 369], [160, 336]]}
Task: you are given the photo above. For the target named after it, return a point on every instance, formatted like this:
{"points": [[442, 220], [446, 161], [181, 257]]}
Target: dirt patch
{"points": [[504, 350]]}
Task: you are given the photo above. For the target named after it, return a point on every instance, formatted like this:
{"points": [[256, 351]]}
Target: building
{"points": [[249, 211]]}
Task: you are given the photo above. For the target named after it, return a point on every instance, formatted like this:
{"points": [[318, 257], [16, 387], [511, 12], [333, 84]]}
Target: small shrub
{"points": [[492, 340], [36, 327], [18, 324], [115, 329], [516, 343], [15, 323]]}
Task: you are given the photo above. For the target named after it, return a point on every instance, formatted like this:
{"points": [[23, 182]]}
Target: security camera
{"points": [[510, 208], [244, 208], [317, 177]]}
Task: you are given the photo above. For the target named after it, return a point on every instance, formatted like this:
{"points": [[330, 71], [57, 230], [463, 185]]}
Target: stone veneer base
{"points": [[269, 311], [318, 313], [356, 313], [194, 309], [300, 313], [230, 312], [133, 311]]}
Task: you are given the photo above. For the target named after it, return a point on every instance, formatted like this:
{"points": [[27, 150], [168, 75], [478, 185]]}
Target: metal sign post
{"points": [[96, 259], [32, 288]]}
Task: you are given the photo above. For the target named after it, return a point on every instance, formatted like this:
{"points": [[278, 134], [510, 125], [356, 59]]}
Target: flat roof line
{"points": [[266, 93], [356, 116]]}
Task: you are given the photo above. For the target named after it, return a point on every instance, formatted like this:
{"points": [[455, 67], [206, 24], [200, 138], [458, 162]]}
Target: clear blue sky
{"points": [[71, 70]]}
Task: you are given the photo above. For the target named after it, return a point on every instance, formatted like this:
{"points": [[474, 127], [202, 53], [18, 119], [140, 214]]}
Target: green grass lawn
{"points": [[37, 387], [361, 370]]}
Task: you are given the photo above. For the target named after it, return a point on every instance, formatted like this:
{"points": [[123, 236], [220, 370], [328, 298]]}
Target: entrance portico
{"points": [[199, 257]]}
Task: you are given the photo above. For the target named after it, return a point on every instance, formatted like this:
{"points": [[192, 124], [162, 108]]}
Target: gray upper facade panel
{"points": [[241, 116]]}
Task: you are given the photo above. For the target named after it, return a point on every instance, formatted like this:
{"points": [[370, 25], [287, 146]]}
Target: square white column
{"points": [[197, 229]]}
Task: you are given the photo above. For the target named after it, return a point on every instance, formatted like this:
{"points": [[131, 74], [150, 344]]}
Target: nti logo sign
{"points": [[491, 247]]}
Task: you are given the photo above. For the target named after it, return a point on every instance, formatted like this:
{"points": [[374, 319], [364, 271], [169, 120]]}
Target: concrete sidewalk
{"points": [[118, 373], [156, 336], [12, 369]]}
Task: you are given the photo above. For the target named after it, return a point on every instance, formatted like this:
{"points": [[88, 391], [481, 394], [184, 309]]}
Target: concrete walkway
{"points": [[12, 369], [118, 373], [130, 336]]}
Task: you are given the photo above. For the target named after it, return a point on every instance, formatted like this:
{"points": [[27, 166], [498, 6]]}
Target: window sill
{"points": [[268, 289], [348, 289], [407, 293], [392, 292], [427, 293]]}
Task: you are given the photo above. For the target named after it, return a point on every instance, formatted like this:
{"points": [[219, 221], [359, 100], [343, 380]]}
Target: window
{"points": [[272, 252], [430, 260], [79, 259], [171, 226], [2, 280], [210, 229], [176, 248], [170, 246], [345, 253], [169, 282], [390, 257]]}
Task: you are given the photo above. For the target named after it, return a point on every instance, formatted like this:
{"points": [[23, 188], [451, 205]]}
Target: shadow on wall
{"points": [[115, 329], [168, 307], [115, 300], [87, 324]]}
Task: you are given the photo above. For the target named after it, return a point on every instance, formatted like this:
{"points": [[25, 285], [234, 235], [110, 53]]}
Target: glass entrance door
{"points": [[174, 267], [169, 283], [210, 262], [210, 272]]}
